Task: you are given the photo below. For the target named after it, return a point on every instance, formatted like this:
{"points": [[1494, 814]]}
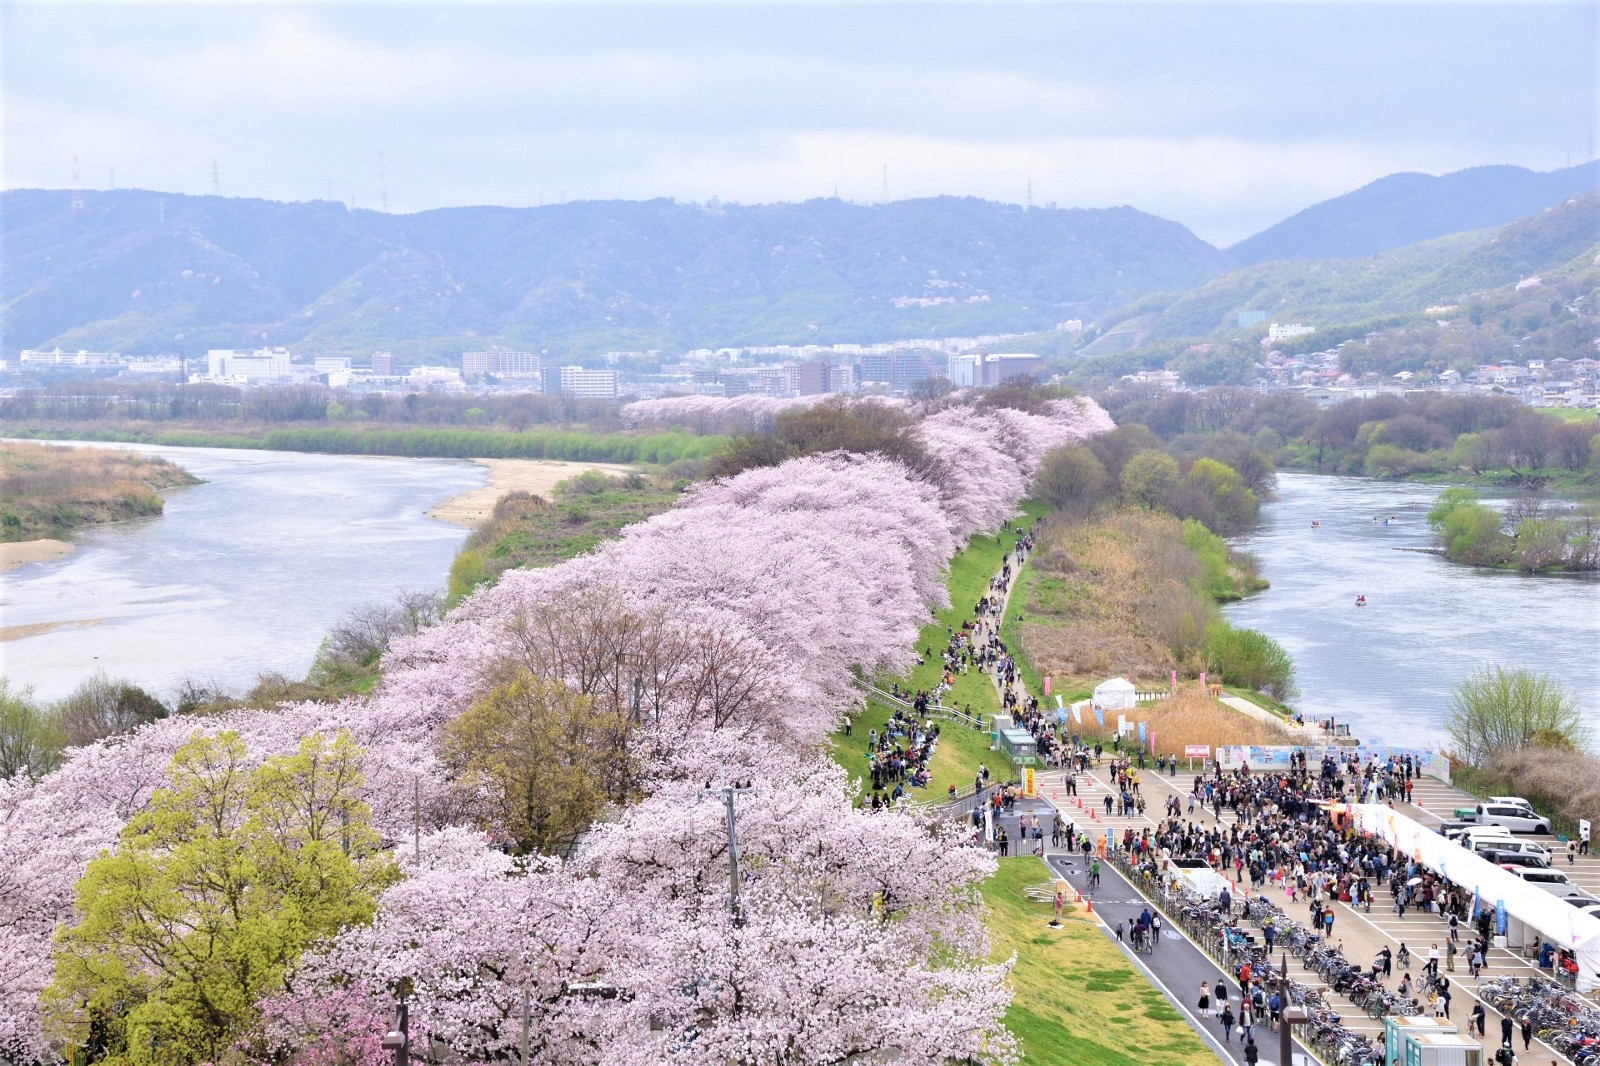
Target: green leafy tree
{"points": [[1468, 529], [1071, 480], [1236, 505], [1149, 477], [213, 891], [536, 755], [1251, 659], [1494, 710], [30, 743]]}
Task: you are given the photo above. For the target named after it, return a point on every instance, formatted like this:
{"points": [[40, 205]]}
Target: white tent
{"points": [[1528, 909], [1115, 695]]}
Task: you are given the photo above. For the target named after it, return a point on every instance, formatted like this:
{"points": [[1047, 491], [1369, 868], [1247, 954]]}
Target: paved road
{"points": [[1176, 966]]}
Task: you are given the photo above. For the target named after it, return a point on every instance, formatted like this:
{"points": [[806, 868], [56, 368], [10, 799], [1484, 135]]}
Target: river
{"points": [[1387, 668], [241, 575]]}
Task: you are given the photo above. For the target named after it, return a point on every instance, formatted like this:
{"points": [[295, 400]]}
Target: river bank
{"points": [[537, 476]]}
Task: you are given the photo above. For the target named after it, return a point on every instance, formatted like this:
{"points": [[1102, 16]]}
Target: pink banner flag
{"points": [[1202, 679], [1174, 680], [1152, 742], [1047, 684]]}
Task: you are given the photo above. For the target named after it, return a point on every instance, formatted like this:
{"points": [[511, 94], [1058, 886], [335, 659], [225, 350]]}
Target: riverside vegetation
{"points": [[46, 491], [1530, 534]]}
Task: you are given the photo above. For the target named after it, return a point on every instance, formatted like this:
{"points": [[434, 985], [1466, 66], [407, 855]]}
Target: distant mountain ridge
{"points": [[1404, 209], [145, 272]]}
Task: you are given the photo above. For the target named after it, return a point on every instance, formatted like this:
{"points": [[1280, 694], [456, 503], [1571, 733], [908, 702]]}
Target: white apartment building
{"points": [[589, 384], [1275, 332], [262, 366]]}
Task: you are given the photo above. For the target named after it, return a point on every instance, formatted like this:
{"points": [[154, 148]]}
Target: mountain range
{"points": [[146, 272], [1403, 209]]}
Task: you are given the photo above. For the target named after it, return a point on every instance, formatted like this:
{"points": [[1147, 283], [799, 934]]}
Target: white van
{"points": [[1468, 838], [1514, 801], [1481, 844], [1509, 816], [1552, 881]]}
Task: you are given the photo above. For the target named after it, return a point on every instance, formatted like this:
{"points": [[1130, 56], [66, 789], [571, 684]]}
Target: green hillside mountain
{"points": [[1330, 293], [145, 272], [1403, 209]]}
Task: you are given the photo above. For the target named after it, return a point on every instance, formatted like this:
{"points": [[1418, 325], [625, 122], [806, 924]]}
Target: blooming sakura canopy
{"points": [[744, 614], [1116, 694]]}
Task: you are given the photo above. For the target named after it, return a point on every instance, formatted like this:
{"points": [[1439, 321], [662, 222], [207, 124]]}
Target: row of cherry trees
{"points": [[722, 635]]}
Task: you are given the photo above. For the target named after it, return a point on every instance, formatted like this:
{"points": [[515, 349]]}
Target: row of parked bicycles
{"points": [[1559, 1016], [1223, 935]]}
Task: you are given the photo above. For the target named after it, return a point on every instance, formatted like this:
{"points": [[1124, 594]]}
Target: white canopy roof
{"points": [[1557, 921], [1116, 694]]}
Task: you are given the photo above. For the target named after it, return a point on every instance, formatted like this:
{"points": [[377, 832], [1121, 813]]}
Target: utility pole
{"points": [[728, 793], [527, 1014], [398, 1039], [416, 821]]}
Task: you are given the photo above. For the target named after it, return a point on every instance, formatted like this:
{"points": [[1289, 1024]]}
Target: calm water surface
{"points": [[243, 574], [1387, 668]]}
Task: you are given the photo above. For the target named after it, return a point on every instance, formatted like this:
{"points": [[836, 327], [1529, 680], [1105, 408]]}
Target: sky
{"points": [[1225, 117]]}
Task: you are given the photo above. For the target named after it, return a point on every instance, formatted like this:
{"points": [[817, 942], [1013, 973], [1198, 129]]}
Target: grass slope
{"points": [[47, 491], [956, 759], [1078, 1001]]}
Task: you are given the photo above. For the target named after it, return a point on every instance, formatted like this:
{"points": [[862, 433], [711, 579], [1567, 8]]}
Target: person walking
{"points": [[1227, 1024], [1450, 956], [1475, 1021], [1505, 1032], [1252, 1054], [1526, 1024], [1205, 1000]]}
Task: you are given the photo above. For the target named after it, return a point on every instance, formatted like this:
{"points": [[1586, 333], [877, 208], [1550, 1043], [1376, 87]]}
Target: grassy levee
{"points": [[960, 750], [1077, 1001]]}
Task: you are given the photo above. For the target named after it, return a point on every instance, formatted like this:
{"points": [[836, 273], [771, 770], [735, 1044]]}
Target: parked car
{"points": [[1510, 860], [1527, 847], [1509, 816], [1468, 837], [1585, 903], [1514, 801], [1552, 881]]}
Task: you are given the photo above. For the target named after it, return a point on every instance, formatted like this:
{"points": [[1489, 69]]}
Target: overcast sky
{"points": [[1226, 117]]}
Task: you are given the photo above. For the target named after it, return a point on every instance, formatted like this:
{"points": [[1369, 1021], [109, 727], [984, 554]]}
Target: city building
{"points": [[260, 367], [814, 378], [57, 357], [500, 364], [962, 370], [383, 364], [585, 384], [1002, 366], [1275, 332]]}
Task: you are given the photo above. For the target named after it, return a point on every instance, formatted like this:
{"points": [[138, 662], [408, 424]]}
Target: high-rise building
{"points": [[383, 364], [813, 378], [963, 370], [908, 368], [588, 384], [877, 367], [999, 367], [500, 364], [260, 366]]}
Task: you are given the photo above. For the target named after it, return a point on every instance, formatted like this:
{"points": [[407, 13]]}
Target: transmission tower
{"points": [[77, 193]]}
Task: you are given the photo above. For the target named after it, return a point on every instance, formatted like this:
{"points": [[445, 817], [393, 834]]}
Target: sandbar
{"points": [[22, 552], [34, 629], [537, 476]]}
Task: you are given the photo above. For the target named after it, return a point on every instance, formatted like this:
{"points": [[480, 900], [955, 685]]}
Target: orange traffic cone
{"points": [[1088, 905]]}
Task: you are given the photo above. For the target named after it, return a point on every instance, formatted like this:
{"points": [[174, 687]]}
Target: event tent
{"points": [[1115, 695], [1528, 909]]}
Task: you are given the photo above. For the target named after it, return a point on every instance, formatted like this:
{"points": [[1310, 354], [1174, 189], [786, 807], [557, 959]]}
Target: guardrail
{"points": [[936, 710]]}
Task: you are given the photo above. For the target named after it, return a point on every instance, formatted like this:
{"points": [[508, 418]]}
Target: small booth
{"points": [[1425, 1048], [1117, 694], [1019, 746], [1395, 1030]]}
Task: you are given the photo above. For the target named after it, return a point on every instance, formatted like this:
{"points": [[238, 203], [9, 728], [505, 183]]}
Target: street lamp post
{"points": [[1289, 1017], [398, 1039], [728, 793]]}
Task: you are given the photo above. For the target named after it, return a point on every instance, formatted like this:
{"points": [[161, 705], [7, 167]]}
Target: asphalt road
{"points": [[1176, 966]]}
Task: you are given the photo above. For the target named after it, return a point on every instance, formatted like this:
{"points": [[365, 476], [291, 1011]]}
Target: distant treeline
{"points": [[167, 402], [1496, 439], [575, 445]]}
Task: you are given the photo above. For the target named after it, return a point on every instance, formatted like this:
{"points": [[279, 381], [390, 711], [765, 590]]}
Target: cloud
{"points": [[1225, 116]]}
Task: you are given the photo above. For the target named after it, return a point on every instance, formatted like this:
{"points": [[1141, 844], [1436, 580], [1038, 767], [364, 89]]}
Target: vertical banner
{"points": [[1122, 724], [1500, 917], [1047, 684], [1152, 742], [988, 823], [1141, 734], [1583, 830], [1174, 680], [1202, 679], [1030, 785], [1472, 912], [1099, 716]]}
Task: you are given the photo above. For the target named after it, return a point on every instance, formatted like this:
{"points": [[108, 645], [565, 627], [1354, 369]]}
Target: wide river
{"points": [[243, 574], [1387, 668]]}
